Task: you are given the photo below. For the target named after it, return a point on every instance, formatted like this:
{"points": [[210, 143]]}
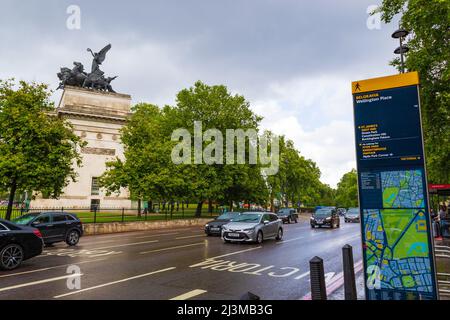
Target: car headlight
{"points": [[249, 230], [328, 219], [206, 225], [224, 228], [312, 218]]}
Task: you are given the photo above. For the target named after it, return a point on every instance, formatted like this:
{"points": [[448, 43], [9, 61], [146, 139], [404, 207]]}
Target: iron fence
{"points": [[103, 215]]}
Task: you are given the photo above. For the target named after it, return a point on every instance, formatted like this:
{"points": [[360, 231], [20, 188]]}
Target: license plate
{"points": [[233, 235], [215, 229]]}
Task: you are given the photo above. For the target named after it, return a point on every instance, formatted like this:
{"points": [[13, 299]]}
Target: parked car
{"points": [[54, 226], [17, 244], [352, 215], [341, 211], [288, 215], [325, 217], [215, 227], [253, 227]]}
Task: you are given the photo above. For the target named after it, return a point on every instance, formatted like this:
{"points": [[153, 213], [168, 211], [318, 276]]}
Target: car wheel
{"points": [[289, 220], [72, 238], [280, 234], [11, 257], [296, 220], [259, 237]]}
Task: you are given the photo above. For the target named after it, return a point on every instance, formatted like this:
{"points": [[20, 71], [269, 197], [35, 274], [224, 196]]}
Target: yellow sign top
{"points": [[389, 82]]}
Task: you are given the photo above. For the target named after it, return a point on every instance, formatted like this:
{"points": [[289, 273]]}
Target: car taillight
{"points": [[37, 233]]}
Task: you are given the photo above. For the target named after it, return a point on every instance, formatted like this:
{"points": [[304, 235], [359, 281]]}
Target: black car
{"points": [[352, 215], [215, 227], [54, 226], [288, 215], [325, 217], [18, 243]]}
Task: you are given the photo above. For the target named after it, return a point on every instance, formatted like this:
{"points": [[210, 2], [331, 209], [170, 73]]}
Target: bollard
{"points": [[349, 273], [317, 276], [123, 214]]}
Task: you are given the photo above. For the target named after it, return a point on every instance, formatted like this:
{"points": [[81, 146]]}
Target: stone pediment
{"points": [[91, 103]]}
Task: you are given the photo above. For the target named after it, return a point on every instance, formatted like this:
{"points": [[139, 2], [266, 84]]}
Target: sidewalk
{"points": [[442, 250]]}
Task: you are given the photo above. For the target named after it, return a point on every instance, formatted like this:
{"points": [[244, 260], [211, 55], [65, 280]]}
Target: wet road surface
{"points": [[182, 264]]}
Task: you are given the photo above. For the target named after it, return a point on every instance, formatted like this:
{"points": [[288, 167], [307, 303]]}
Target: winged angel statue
{"points": [[94, 80]]}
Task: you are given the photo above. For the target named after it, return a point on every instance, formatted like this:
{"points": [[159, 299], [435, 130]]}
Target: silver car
{"points": [[253, 227]]}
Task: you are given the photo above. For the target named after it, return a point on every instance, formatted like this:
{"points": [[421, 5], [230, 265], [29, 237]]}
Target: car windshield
{"points": [[283, 212], [227, 216], [353, 212], [248, 218], [25, 219], [322, 213]]}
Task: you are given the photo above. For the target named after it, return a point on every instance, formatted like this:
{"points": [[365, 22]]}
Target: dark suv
{"points": [[288, 215], [54, 226], [325, 217]]}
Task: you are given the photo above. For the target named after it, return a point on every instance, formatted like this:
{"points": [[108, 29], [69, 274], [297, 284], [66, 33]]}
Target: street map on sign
{"points": [[396, 236]]}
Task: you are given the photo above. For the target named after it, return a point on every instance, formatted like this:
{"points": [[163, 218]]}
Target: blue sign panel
{"points": [[395, 222]]}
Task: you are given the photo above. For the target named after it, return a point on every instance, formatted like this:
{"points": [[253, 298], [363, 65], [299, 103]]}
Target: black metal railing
{"points": [[104, 215]]}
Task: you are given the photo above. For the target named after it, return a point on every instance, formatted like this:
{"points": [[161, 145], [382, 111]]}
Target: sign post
{"points": [[397, 244]]}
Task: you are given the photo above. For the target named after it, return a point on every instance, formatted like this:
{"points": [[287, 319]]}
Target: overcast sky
{"points": [[293, 60]]}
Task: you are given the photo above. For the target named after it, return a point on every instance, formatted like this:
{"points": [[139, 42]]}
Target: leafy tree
{"points": [[216, 108], [347, 190], [298, 179], [429, 43], [38, 150]]}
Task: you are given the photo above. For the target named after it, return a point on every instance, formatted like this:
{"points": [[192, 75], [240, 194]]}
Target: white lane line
{"points": [[236, 252], [49, 268], [96, 242], [189, 294], [173, 248], [290, 240], [40, 282], [188, 237], [47, 253], [443, 256], [157, 235], [114, 282]]}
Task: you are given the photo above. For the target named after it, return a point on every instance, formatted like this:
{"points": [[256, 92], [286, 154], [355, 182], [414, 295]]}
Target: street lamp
{"points": [[401, 34]]}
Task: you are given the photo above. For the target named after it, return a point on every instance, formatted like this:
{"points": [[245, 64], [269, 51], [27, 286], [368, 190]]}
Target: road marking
{"points": [[96, 242], [114, 282], [48, 268], [302, 276], [101, 248], [187, 237], [28, 284], [443, 256], [126, 245], [173, 248], [189, 294], [290, 240], [157, 235], [233, 253]]}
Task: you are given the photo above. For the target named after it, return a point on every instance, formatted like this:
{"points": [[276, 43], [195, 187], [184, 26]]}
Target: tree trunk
{"points": [[271, 204], [231, 205], [198, 211], [150, 206], [210, 206], [139, 208], [12, 194]]}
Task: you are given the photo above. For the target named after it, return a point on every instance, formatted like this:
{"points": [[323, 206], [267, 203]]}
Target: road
{"points": [[182, 264]]}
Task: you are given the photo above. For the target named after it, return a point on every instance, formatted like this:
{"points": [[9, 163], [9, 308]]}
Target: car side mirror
{"points": [[266, 221], [35, 223]]}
